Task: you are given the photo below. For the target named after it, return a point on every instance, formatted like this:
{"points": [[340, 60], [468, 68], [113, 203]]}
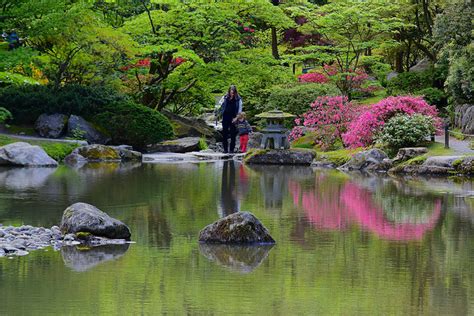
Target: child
{"points": [[243, 128]]}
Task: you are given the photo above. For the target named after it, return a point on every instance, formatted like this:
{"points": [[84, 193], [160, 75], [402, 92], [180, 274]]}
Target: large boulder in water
{"points": [[83, 217], [102, 153], [369, 160], [77, 126], [237, 228], [181, 145], [25, 155], [280, 156], [51, 126]]}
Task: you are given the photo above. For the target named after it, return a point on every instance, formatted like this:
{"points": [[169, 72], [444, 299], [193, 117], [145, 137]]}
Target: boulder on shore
{"points": [[51, 126], [464, 118], [280, 156], [369, 160], [407, 153], [438, 165], [181, 145], [237, 228], [77, 126], [86, 218], [191, 127], [25, 155]]}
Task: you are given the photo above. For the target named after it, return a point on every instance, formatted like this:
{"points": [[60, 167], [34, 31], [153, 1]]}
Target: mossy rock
{"points": [[280, 157], [98, 153]]}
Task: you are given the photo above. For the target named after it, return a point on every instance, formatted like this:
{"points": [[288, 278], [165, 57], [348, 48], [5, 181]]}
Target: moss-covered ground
{"points": [[56, 150]]}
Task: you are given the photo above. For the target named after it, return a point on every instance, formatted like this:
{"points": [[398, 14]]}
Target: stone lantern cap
{"points": [[275, 115]]}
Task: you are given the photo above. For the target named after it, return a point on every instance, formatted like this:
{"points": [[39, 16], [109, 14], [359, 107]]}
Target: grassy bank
{"points": [[56, 150]]}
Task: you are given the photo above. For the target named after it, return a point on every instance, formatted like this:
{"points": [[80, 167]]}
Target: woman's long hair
{"points": [[233, 88]]}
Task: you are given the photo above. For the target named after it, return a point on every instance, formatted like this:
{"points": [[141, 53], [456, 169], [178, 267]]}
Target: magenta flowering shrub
{"points": [[314, 77], [361, 131], [328, 118]]}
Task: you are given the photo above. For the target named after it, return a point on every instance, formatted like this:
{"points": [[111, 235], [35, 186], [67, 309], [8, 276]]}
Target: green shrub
{"points": [[5, 115], [405, 130], [10, 79], [433, 96], [460, 82], [296, 98], [133, 124], [58, 151], [28, 102]]}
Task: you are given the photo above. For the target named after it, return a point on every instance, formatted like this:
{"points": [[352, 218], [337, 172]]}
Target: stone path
{"points": [[33, 138], [460, 147]]}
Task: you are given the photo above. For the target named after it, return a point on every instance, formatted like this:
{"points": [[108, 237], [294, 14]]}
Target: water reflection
{"points": [[238, 258], [374, 204], [24, 178], [83, 259], [229, 202], [274, 181]]}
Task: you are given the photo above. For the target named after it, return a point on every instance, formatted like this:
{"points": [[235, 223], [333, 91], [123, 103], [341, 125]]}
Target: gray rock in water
{"points": [[83, 217], [77, 126], [407, 153], [181, 145], [369, 160], [25, 155], [280, 157], [51, 126], [126, 153], [237, 228], [238, 258]]}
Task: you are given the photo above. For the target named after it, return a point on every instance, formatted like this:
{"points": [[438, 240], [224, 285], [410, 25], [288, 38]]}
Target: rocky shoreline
{"points": [[81, 224], [20, 241]]}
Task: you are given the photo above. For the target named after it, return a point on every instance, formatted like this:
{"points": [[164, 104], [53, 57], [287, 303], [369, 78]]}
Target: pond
{"points": [[346, 244]]}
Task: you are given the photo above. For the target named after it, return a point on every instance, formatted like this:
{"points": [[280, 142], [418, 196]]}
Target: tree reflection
{"points": [[335, 205]]}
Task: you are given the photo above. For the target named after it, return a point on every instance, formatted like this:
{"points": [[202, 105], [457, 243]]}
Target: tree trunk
{"points": [[274, 43], [399, 62]]}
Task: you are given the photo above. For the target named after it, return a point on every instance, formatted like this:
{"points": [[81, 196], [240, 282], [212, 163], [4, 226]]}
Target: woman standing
{"points": [[231, 105]]}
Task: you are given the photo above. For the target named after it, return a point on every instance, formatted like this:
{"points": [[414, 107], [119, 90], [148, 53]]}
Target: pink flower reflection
{"points": [[337, 208]]}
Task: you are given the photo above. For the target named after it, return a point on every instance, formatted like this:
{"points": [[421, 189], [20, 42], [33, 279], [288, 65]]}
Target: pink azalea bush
{"points": [[328, 118], [361, 131], [314, 77]]}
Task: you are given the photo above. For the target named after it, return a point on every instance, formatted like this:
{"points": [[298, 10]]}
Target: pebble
{"points": [[19, 241]]}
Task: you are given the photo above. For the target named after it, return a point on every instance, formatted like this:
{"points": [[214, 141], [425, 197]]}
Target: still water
{"points": [[346, 244]]}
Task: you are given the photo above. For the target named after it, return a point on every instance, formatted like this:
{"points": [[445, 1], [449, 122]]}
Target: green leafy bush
{"points": [[296, 98], [58, 151], [428, 83], [126, 122], [10, 79], [26, 103], [133, 124], [460, 81], [432, 95], [405, 130], [5, 115]]}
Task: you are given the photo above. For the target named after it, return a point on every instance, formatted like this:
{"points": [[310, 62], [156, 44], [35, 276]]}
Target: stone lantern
{"points": [[275, 134]]}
